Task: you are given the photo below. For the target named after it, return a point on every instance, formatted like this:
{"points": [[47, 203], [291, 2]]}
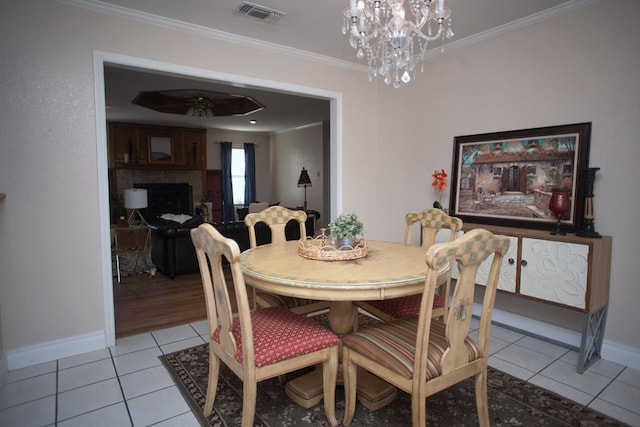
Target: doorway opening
{"points": [[103, 59]]}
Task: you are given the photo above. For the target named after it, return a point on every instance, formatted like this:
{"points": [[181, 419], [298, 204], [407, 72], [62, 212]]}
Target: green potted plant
{"points": [[345, 228]]}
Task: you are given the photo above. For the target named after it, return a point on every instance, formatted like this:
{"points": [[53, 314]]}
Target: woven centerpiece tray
{"points": [[322, 249]]}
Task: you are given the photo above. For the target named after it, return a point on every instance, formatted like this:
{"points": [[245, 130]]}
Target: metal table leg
{"points": [[592, 335]]}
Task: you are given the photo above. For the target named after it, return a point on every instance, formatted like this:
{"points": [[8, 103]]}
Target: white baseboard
{"points": [[622, 354], [612, 351], [54, 350], [66, 347]]}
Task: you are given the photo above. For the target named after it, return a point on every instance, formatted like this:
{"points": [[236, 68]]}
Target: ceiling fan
{"points": [[199, 103]]}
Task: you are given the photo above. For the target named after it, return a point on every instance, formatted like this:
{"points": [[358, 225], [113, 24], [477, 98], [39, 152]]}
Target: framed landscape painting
{"points": [[507, 178]]}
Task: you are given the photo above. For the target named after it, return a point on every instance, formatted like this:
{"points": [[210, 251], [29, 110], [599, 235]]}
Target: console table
{"points": [[567, 271]]}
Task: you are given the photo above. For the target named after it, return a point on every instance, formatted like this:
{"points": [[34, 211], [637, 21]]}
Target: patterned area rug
{"points": [[131, 263], [512, 402]]}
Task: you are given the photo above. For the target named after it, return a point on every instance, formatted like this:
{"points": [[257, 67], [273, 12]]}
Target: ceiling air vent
{"points": [[260, 12]]}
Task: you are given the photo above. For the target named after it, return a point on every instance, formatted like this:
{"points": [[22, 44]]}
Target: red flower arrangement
{"points": [[439, 183]]}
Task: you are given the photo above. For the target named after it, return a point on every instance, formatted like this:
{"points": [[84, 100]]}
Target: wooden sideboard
{"points": [[567, 271]]}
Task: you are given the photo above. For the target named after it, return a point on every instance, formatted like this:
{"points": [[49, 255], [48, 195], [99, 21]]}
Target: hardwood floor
{"points": [[145, 304]]}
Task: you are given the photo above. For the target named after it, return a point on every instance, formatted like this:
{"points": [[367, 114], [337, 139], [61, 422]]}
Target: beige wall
{"points": [[583, 66], [570, 69], [52, 276], [291, 151], [279, 158]]}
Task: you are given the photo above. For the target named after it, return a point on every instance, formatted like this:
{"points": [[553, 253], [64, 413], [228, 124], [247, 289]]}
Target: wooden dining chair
{"points": [[431, 221], [276, 218], [423, 355], [259, 344]]}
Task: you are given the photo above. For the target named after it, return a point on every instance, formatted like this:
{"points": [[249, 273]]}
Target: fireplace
{"points": [[167, 198]]}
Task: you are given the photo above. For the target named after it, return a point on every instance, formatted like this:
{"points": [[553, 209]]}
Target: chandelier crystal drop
{"points": [[392, 44]]}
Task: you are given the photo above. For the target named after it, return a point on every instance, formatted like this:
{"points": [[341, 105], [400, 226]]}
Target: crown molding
{"points": [[199, 30], [553, 12]]}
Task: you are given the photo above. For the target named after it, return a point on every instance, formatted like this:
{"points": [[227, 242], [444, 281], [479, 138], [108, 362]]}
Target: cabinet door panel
{"points": [[124, 140], [507, 280], [555, 271], [194, 146]]}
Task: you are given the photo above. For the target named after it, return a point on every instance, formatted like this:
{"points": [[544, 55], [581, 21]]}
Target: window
{"points": [[237, 175]]}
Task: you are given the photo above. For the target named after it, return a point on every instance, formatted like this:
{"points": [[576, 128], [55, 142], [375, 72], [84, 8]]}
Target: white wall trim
{"points": [[54, 350], [199, 30], [102, 170], [335, 161], [297, 128], [101, 59], [612, 351], [66, 347], [553, 12]]}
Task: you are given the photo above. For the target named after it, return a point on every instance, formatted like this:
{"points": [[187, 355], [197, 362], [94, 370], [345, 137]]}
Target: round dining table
{"points": [[389, 270]]}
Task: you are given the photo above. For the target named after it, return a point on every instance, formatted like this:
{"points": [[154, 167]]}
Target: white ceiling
{"points": [[281, 111], [312, 26]]}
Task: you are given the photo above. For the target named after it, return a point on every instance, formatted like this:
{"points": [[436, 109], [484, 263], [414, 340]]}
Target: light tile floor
{"points": [[126, 385]]}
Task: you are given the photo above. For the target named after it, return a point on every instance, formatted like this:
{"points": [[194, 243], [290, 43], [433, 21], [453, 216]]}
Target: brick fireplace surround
{"points": [[126, 178]]}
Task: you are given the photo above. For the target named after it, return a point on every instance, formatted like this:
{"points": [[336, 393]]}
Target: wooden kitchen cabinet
{"points": [[123, 142], [194, 147], [130, 146]]}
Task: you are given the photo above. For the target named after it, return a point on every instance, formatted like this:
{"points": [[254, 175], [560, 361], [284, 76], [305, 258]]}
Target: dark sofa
{"points": [[172, 251]]}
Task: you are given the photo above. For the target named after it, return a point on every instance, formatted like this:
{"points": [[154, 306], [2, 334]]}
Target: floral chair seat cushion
{"points": [[280, 334]]}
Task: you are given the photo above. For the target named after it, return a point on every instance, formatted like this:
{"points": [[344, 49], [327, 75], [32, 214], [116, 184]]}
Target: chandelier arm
{"points": [[428, 38], [420, 23], [415, 29]]}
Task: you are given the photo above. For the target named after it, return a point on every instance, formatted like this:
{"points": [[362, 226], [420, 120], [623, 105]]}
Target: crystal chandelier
{"points": [[393, 45], [200, 106]]}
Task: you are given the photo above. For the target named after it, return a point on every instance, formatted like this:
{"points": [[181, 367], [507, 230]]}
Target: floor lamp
{"points": [[304, 181], [135, 199]]}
